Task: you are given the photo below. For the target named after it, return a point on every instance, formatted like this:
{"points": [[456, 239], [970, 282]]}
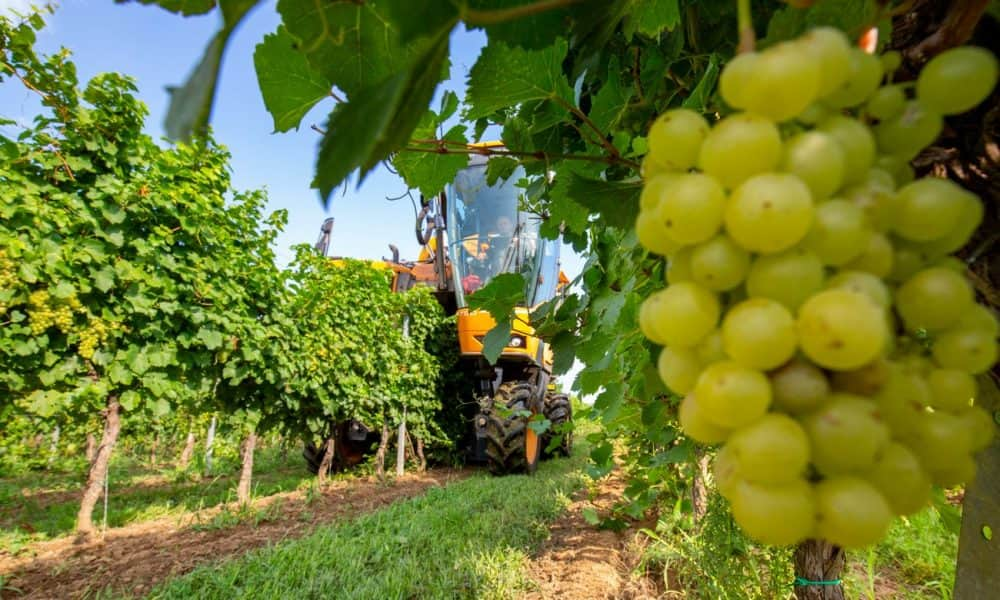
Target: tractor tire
{"points": [[508, 438], [559, 411], [314, 456]]}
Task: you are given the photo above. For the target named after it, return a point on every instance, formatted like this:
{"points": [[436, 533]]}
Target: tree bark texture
{"points": [[699, 492], [91, 448], [383, 445], [818, 561], [327, 462], [54, 445], [99, 468], [187, 452], [420, 455], [152, 450], [978, 572], [246, 473]]}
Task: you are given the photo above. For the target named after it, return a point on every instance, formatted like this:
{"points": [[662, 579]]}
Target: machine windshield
{"points": [[488, 235]]}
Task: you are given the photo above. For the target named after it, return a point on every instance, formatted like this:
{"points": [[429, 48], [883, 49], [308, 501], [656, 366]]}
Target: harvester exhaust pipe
{"points": [[325, 230]]}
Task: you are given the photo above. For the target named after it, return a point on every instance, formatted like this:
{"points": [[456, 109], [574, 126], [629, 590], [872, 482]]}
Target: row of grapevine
{"points": [[138, 286]]}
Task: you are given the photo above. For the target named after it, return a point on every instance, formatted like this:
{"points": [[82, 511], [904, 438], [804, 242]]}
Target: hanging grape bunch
{"points": [[813, 320]]}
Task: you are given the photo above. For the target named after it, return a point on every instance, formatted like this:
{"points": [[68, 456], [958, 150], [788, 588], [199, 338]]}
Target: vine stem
{"points": [[494, 17], [441, 147], [748, 40], [602, 139]]}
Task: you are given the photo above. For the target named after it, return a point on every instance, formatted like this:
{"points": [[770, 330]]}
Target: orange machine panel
{"points": [[474, 325]]}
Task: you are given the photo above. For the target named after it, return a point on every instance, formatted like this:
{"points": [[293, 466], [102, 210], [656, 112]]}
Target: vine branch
{"points": [[449, 147], [494, 17], [579, 114], [745, 23]]}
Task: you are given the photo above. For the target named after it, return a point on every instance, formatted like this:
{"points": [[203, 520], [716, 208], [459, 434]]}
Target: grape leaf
{"points": [[616, 202], [191, 104], [496, 340], [351, 44], [499, 296], [431, 171], [610, 103], [531, 31], [698, 100], [378, 120], [290, 86], [505, 76], [416, 18], [652, 17]]}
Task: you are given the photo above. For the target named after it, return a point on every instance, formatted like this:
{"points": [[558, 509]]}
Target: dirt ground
{"points": [[582, 562], [136, 557]]}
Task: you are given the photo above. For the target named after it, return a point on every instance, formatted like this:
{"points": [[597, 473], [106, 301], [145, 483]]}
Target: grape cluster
{"points": [[45, 311], [91, 337], [813, 320]]}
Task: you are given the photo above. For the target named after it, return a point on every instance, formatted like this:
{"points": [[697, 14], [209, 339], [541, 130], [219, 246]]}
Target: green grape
{"points": [[679, 369], [841, 329], [719, 264], [857, 142], [650, 168], [979, 318], [675, 138], [845, 434], [886, 103], [980, 426], [789, 277], [732, 395], [691, 208], [957, 80], [682, 314], [769, 213], [939, 440], [896, 166], [862, 283], [952, 263], [679, 266], [739, 147], [850, 512], [831, 49], [816, 159], [902, 400], [971, 351], [933, 299], [773, 449], [799, 387], [652, 191], [814, 113], [898, 476], [839, 232], [962, 470], [710, 350], [891, 61], [653, 235], [876, 258], [778, 515], [875, 198], [864, 78], [911, 131], [696, 426], [759, 333], [725, 472], [735, 75], [784, 81], [649, 318], [951, 390], [969, 218], [863, 381], [928, 209], [907, 261]]}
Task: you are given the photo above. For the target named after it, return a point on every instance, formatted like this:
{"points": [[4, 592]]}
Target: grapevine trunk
{"points": [[383, 445], [91, 448], [327, 462], [99, 468], [246, 473], [187, 452], [818, 561]]}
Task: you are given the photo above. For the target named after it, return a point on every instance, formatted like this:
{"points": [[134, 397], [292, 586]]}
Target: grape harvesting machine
{"points": [[470, 233]]}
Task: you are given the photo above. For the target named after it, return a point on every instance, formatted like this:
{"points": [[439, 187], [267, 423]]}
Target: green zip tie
{"points": [[800, 581]]}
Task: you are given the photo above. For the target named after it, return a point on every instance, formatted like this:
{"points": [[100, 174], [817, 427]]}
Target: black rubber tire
{"points": [[313, 456], [505, 436], [558, 410]]}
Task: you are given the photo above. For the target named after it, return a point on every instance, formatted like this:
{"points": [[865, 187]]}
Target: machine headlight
{"points": [[517, 341]]}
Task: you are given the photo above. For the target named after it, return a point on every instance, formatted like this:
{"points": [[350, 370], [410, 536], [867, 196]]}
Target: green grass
{"points": [[176, 496], [918, 555], [470, 539]]}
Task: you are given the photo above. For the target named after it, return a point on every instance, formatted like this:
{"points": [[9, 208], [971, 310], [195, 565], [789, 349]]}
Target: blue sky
{"points": [[158, 49]]}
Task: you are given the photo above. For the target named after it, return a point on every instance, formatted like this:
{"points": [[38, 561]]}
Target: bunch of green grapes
{"points": [[45, 311], [92, 336], [813, 320]]}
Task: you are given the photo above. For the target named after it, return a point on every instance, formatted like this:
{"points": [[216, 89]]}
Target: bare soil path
{"points": [[134, 558], [582, 562]]}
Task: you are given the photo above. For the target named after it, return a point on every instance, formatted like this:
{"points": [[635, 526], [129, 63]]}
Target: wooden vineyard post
{"points": [[978, 572], [818, 566]]}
